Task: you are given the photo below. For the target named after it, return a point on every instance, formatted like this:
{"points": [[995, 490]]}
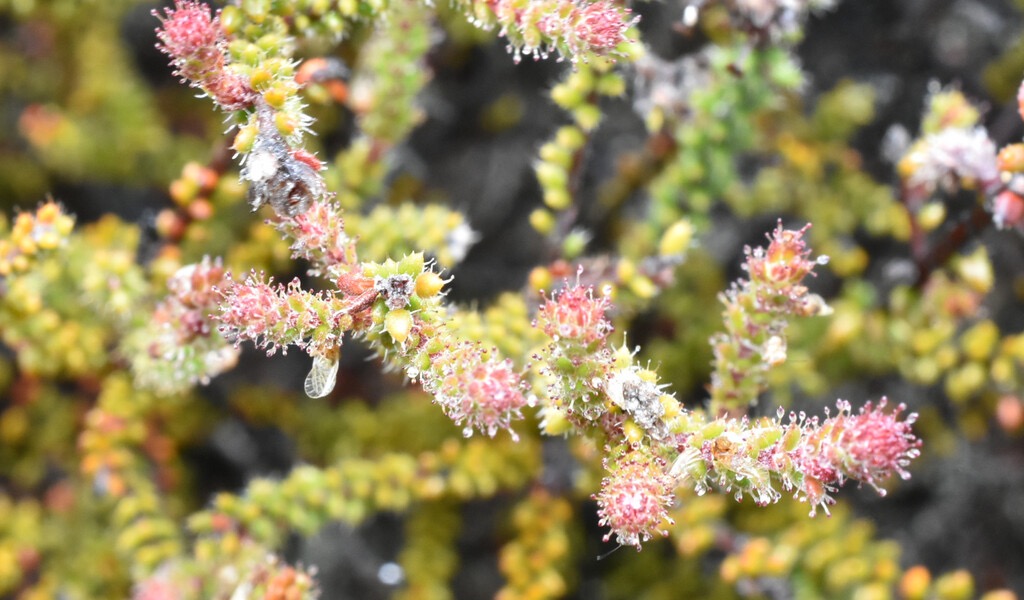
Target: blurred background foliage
{"points": [[530, 163]]}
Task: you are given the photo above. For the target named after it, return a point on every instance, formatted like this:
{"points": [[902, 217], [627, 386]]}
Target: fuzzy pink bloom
{"points": [[634, 499], [190, 34], [276, 316], [574, 314], [573, 28], [874, 445], [601, 25], [476, 388], [869, 446], [785, 263]]}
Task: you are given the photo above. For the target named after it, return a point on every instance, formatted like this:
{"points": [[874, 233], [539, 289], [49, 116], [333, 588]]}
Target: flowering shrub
{"points": [[615, 383]]}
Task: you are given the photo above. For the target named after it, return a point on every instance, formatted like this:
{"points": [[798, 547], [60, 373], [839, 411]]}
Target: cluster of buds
{"points": [[756, 315], [31, 233], [575, 29], [286, 178], [191, 35]]}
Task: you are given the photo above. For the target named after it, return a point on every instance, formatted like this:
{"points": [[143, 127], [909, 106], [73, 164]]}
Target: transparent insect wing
{"points": [[322, 377]]}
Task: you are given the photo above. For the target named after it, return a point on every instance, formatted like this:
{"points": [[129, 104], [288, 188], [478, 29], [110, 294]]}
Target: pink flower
{"points": [[192, 37], [276, 316], [601, 25], [573, 314], [634, 498], [869, 446], [476, 388], [573, 28], [785, 263], [873, 445]]}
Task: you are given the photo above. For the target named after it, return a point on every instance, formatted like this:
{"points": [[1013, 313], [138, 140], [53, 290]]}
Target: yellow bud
{"points": [[555, 422], [542, 221], [570, 137], [551, 175], [976, 270], [275, 97], [999, 595], [633, 432], [48, 212], [647, 375], [285, 124], [540, 279], [64, 225], [957, 585], [244, 139], [979, 341], [231, 19], [49, 240], [567, 96], [931, 215], [428, 284], [964, 382], [398, 324], [260, 78], [611, 84], [557, 199], [671, 407], [553, 153], [643, 287], [625, 270], [587, 116], [622, 357], [26, 245], [676, 238], [574, 244]]}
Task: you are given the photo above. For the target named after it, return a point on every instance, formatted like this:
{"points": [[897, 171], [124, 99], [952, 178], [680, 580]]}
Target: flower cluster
{"points": [[192, 37], [475, 387], [634, 498], [575, 29], [577, 359], [573, 314], [948, 159]]}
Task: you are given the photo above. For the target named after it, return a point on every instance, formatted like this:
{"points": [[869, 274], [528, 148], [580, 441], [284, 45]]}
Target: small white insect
{"points": [[324, 374]]}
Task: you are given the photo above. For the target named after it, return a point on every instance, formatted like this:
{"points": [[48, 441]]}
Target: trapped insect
{"points": [[323, 375]]}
